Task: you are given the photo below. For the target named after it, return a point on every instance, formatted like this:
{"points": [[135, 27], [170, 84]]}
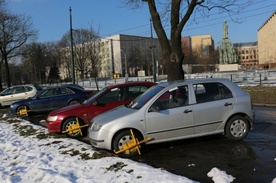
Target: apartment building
{"points": [[267, 43], [123, 54], [247, 54], [202, 45]]}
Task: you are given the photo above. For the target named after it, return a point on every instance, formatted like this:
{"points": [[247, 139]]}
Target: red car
{"points": [[66, 118]]}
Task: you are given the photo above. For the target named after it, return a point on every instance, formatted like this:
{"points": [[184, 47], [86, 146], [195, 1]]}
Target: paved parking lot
{"points": [[250, 160]]}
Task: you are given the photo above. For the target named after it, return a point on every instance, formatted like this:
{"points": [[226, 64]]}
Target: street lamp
{"points": [[72, 52], [153, 54], [126, 73]]}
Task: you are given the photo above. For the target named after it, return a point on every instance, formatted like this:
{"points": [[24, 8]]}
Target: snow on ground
{"points": [[29, 154]]}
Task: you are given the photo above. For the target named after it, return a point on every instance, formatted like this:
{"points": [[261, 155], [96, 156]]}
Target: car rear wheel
{"points": [[237, 128], [122, 138], [68, 124]]}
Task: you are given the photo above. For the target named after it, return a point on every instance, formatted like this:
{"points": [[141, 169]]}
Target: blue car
{"points": [[50, 99]]}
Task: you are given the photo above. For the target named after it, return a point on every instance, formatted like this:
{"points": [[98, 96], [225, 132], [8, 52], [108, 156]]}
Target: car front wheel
{"points": [[22, 108], [69, 124], [237, 128], [121, 139]]}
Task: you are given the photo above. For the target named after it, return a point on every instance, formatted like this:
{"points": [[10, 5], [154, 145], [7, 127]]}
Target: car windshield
{"points": [[88, 101], [145, 97]]}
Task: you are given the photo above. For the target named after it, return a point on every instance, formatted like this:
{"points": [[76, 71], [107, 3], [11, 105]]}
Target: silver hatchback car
{"points": [[173, 111]]}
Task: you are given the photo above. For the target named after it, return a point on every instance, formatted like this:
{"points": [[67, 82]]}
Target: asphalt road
{"points": [[250, 160]]}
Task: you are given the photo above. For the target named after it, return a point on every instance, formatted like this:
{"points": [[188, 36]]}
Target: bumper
{"points": [[53, 126], [100, 139], [13, 110]]}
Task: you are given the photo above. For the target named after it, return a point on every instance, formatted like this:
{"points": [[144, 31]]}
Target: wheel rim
{"points": [[123, 140], [70, 123], [238, 128]]}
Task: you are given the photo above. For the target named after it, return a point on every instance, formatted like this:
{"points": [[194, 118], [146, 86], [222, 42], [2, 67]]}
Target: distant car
{"points": [[18, 92], [50, 99], [106, 99], [173, 111]]}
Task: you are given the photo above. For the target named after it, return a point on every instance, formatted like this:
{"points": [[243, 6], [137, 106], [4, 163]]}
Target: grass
{"points": [[262, 94]]}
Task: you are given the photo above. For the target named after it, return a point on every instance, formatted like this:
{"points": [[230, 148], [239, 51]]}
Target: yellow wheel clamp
{"points": [[132, 145], [75, 128]]}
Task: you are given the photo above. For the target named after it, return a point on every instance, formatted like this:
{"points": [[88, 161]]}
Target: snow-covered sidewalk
{"points": [[29, 154]]}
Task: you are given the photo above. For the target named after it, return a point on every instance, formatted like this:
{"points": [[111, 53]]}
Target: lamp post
{"points": [[72, 52], [126, 73], [152, 54]]}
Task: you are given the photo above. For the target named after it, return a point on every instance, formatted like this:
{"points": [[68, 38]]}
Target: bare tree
{"points": [[94, 58], [34, 62], [15, 31], [178, 12], [82, 39]]}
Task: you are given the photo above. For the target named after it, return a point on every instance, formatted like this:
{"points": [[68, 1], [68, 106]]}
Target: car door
{"points": [[6, 97], [172, 120], [110, 99], [214, 102], [42, 102], [60, 97], [20, 93]]}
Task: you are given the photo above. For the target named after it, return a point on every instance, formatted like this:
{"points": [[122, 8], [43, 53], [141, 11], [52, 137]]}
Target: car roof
{"points": [[191, 81], [146, 83]]}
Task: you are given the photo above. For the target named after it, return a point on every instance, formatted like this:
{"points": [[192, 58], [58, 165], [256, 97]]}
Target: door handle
{"points": [[187, 111], [227, 104]]}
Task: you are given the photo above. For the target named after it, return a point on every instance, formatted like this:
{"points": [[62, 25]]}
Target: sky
{"points": [[110, 17], [29, 159]]}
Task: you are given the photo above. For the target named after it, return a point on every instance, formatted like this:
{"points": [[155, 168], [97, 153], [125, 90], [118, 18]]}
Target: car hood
{"points": [[114, 114], [67, 109]]}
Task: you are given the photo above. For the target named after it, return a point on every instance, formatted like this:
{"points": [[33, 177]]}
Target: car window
{"points": [[29, 88], [19, 89], [67, 91], [207, 92], [172, 98], [225, 92], [8, 91], [61, 91], [145, 97], [46, 93], [96, 95], [114, 95], [135, 91]]}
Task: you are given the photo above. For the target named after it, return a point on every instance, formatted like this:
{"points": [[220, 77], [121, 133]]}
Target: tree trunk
{"points": [[8, 78], [174, 65]]}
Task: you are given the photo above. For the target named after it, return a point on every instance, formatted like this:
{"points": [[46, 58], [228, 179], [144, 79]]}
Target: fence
{"points": [[242, 78]]}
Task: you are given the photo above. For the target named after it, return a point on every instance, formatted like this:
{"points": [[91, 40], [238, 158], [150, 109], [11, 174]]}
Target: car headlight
{"points": [[52, 118], [95, 126]]}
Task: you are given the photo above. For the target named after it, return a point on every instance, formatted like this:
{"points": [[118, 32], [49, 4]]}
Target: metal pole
{"points": [[152, 54], [72, 52], [126, 73]]}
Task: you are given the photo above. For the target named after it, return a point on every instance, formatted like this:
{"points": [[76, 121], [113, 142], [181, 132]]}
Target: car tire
{"points": [[22, 107], [123, 137], [72, 121], [237, 128]]}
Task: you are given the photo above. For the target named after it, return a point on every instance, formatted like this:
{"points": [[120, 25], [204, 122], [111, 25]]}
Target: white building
{"points": [[267, 42], [125, 51]]}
